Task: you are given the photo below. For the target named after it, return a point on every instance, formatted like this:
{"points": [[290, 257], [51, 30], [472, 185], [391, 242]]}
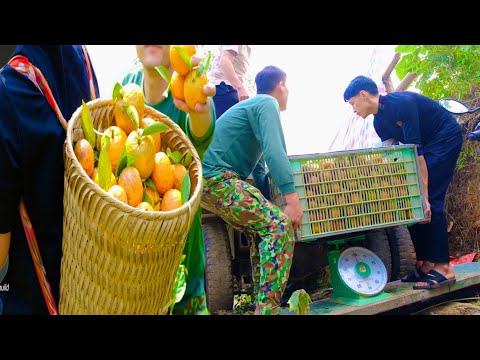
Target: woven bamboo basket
{"points": [[118, 259]]}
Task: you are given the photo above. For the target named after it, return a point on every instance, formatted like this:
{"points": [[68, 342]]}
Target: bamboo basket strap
{"points": [[23, 65]]}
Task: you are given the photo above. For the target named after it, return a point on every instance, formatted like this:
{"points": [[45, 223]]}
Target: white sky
{"points": [[316, 76]]}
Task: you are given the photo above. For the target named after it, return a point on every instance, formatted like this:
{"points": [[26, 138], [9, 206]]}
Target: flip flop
{"points": [[414, 275], [434, 280]]}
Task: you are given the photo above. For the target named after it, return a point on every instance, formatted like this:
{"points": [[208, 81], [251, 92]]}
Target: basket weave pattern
{"points": [[118, 259]]}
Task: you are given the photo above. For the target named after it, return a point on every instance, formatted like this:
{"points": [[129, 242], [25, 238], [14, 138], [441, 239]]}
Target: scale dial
{"points": [[362, 271]]}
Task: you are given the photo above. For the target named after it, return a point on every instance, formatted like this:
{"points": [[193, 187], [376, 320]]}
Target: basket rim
{"points": [[151, 112]]}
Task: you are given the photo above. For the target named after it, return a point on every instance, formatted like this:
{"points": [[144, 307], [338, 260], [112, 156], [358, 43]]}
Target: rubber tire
{"points": [[403, 253], [218, 267], [377, 241]]}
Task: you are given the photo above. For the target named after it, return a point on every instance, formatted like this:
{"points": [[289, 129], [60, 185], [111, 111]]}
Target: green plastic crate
{"points": [[355, 190]]}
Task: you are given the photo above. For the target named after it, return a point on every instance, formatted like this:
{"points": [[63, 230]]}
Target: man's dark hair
{"points": [[358, 84], [268, 78]]}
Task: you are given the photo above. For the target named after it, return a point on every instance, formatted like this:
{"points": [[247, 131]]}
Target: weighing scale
{"points": [[357, 275]]}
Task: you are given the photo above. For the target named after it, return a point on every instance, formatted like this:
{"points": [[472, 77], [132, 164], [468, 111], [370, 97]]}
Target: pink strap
{"points": [[22, 65]]}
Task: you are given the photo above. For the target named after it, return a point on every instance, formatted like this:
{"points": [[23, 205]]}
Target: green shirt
{"points": [[167, 107], [245, 132]]}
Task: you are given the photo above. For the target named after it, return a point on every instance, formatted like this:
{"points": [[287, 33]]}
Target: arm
{"points": [[268, 130], [424, 176], [226, 63]]}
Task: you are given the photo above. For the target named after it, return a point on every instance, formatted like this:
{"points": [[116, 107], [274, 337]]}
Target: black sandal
{"points": [[434, 280], [414, 275]]}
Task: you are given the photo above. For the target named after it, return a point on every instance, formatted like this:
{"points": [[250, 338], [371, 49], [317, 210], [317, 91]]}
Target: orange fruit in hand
{"points": [[84, 153], [193, 88], [118, 193], [154, 198], [130, 94], [176, 84], [142, 150], [179, 172], [162, 175], [176, 59], [157, 139], [118, 137], [131, 182], [171, 200], [145, 206]]}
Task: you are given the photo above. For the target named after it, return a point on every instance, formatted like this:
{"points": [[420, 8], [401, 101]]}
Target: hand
{"points": [[293, 209], [242, 94], [428, 213], [209, 90]]}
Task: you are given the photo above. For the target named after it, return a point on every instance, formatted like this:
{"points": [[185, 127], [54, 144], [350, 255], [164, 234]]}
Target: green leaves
{"points": [[132, 114], [180, 284], [105, 166], [155, 128], [116, 91], [87, 125], [299, 302], [204, 64], [184, 55], [185, 188], [163, 71], [175, 156], [187, 159]]}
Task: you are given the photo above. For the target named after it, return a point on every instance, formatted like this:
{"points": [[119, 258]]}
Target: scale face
{"points": [[362, 271]]}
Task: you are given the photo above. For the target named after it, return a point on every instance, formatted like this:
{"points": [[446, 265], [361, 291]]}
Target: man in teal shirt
{"points": [[246, 132], [199, 126]]}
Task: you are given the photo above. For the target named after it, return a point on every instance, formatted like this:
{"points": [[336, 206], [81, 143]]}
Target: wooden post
{"points": [[386, 78], [407, 80]]}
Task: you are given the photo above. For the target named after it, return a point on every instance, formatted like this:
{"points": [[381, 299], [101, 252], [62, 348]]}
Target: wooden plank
{"points": [[402, 294]]}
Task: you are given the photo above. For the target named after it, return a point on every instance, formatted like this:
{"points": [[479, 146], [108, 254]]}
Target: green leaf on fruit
{"points": [[87, 125], [163, 71], [187, 159], [116, 90], [185, 188], [132, 114], [155, 128], [105, 166], [122, 162], [184, 55], [175, 157]]}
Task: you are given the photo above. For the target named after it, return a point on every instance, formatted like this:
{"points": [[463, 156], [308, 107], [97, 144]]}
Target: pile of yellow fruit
{"points": [[127, 159]]}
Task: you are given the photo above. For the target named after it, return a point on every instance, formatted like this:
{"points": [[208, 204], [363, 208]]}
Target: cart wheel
{"points": [[218, 269], [403, 253], [377, 241]]}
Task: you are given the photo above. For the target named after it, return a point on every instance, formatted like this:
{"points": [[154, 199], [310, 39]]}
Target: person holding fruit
{"points": [[174, 82], [413, 118], [246, 132], [31, 164]]}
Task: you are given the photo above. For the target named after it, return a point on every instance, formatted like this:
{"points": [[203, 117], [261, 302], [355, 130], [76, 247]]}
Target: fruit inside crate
{"points": [[356, 190]]}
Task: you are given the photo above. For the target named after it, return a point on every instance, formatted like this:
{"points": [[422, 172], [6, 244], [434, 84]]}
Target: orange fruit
{"points": [[176, 59], [171, 200], [84, 153], [176, 83], [193, 88], [131, 182], [162, 175], [118, 193], [154, 198], [179, 172], [142, 150], [117, 143], [157, 139], [145, 206], [131, 94], [97, 181]]}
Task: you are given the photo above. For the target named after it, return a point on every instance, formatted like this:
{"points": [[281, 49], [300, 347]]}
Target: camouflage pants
{"points": [[244, 207]]}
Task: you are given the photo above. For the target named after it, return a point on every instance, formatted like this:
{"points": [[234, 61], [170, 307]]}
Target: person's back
{"points": [[31, 164]]}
